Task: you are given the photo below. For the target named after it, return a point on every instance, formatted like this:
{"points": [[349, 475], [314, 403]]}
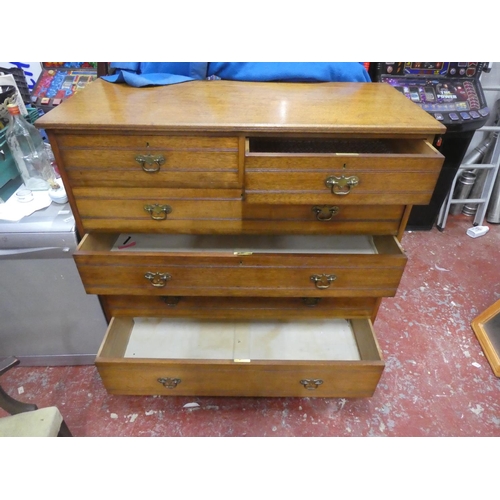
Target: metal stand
{"points": [[489, 181]]}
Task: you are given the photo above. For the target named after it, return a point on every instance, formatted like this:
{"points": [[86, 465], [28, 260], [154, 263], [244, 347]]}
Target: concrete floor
{"points": [[437, 381]]}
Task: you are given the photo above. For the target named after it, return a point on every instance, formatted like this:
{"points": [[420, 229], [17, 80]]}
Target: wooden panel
{"points": [[180, 170], [225, 273], [269, 378], [227, 106], [239, 307], [313, 219], [374, 187], [142, 143], [222, 211], [192, 210]]}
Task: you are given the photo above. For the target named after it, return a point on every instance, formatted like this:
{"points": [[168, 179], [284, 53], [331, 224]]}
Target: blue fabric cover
{"points": [[141, 74], [290, 71]]}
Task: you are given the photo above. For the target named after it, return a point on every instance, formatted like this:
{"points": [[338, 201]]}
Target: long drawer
{"points": [[222, 211], [317, 358], [356, 171], [227, 265], [150, 160]]}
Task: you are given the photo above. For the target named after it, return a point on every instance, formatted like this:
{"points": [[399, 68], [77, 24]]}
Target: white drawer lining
{"points": [[314, 340]]}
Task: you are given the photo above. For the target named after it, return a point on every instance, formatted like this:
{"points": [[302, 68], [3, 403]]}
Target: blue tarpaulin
{"points": [[141, 74]]}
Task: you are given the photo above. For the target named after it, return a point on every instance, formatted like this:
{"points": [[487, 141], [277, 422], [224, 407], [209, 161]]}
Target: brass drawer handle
{"points": [[150, 163], [341, 185], [325, 213], [311, 384], [323, 281], [158, 279], [169, 383], [158, 212]]}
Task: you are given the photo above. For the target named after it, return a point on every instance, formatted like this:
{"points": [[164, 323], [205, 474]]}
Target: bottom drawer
{"points": [[186, 357]]}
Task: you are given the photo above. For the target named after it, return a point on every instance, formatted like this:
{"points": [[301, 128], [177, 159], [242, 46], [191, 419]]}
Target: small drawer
{"points": [[322, 219], [240, 307], [150, 161], [186, 357], [340, 171], [240, 265], [156, 210]]}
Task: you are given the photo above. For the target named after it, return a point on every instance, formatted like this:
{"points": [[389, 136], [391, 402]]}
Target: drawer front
{"points": [[125, 370], [240, 307], [405, 175], [320, 218], [156, 210], [222, 211], [150, 161], [220, 272]]}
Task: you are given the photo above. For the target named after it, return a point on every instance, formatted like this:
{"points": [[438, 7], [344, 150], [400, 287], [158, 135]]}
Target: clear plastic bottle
{"points": [[28, 150]]}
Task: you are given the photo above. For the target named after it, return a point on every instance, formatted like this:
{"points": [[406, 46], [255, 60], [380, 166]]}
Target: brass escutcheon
{"points": [[311, 384], [158, 212], [341, 185], [150, 163], [323, 281], [325, 213], [169, 383], [158, 280]]}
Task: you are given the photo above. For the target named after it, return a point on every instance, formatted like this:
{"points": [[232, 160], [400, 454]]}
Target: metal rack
{"points": [[492, 171]]}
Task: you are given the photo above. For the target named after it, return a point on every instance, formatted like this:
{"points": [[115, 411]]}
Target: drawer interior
{"points": [[128, 243], [240, 341], [324, 244], [350, 146]]}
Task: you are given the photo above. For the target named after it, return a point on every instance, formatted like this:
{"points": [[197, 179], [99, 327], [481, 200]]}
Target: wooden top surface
{"points": [[227, 106]]}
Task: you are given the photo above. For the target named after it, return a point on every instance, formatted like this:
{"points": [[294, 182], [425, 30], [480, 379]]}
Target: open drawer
{"points": [[240, 265], [340, 171], [180, 357]]}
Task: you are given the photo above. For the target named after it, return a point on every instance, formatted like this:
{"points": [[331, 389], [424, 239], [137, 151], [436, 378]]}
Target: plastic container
{"points": [[29, 152]]}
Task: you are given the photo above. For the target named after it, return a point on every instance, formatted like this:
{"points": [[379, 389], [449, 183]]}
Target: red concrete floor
{"points": [[437, 381]]}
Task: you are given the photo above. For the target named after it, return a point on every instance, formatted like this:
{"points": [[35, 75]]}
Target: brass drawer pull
{"points": [[169, 383], [311, 384], [325, 213], [341, 185], [158, 212], [158, 279], [150, 163], [323, 281]]}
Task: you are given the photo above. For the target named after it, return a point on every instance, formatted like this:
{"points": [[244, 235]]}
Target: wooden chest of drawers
{"points": [[242, 235]]}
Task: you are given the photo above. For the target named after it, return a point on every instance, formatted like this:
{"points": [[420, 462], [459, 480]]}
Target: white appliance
{"points": [[46, 317]]}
